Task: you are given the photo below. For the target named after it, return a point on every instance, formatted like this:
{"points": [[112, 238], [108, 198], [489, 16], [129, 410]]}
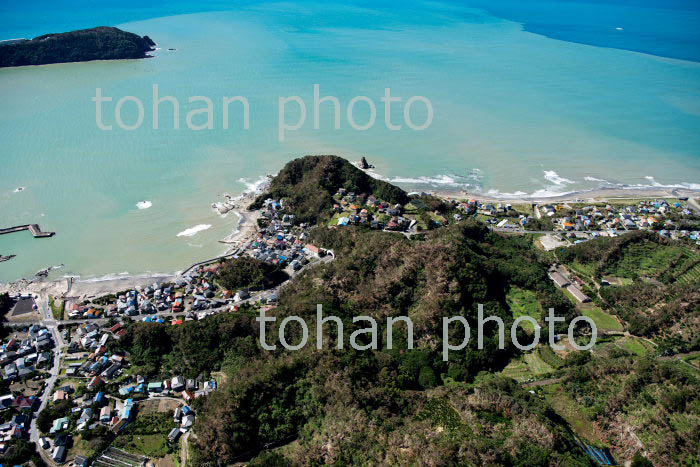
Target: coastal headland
{"points": [[247, 228], [101, 43], [323, 233]]}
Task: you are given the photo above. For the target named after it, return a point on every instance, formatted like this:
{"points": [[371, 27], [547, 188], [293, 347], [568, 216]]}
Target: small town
{"points": [[573, 222], [65, 384]]}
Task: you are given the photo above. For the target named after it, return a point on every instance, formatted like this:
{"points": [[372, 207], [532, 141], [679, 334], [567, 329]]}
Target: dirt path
{"points": [[544, 382], [183, 449]]}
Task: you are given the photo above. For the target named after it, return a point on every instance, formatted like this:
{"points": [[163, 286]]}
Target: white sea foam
{"points": [[437, 180], [475, 175], [552, 176], [498, 194], [549, 193], [117, 276], [106, 277], [144, 204], [192, 231], [442, 180], [555, 190], [255, 186], [655, 184]]}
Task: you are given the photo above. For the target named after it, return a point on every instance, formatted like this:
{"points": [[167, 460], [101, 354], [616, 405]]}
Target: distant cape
{"points": [[101, 43]]}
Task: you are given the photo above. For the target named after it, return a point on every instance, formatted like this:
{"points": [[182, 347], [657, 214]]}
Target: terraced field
{"points": [[645, 259], [692, 275]]}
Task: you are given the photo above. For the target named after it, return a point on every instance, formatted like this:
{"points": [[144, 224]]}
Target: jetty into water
{"points": [[34, 229]]}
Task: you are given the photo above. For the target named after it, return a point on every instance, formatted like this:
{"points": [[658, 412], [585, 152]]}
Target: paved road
{"points": [[522, 231], [50, 323]]}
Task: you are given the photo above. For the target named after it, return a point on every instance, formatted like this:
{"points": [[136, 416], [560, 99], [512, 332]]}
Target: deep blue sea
{"points": [[667, 28]]}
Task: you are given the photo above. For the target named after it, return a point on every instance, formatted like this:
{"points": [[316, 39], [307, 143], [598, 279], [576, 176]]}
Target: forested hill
{"points": [[101, 43], [309, 183], [377, 406], [407, 405]]}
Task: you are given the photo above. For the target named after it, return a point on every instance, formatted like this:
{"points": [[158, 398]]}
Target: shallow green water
{"points": [[513, 112]]}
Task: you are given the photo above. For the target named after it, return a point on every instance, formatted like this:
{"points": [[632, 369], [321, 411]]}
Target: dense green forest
{"points": [[309, 183], [249, 273], [659, 401], [410, 405], [102, 43], [404, 406]]}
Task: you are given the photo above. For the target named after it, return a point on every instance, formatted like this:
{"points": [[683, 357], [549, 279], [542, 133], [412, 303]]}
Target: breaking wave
{"points": [[257, 185], [552, 176], [192, 231]]}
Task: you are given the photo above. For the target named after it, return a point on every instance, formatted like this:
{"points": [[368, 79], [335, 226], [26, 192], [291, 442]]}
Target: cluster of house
{"points": [[191, 293], [96, 405], [17, 426], [58, 446], [184, 417], [647, 214], [20, 359], [189, 389], [99, 364], [493, 210], [369, 211], [280, 243], [92, 409]]}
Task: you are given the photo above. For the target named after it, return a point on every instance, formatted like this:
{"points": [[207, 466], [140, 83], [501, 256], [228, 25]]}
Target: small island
{"points": [[101, 43]]}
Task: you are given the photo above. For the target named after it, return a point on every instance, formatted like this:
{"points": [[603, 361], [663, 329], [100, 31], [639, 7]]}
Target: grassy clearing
{"points": [[550, 357], [524, 208], [618, 281], [518, 370], [338, 215], [571, 411], [602, 320], [56, 309], [529, 366], [586, 270], [637, 346], [693, 360], [148, 435], [524, 303], [536, 365]]}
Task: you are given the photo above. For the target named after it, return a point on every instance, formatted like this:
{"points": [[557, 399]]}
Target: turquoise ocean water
{"points": [[550, 98]]}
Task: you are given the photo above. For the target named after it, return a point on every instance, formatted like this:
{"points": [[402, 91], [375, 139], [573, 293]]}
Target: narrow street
{"points": [[50, 324]]}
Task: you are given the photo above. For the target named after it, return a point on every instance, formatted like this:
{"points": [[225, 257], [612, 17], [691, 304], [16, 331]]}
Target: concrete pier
{"points": [[34, 229]]}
